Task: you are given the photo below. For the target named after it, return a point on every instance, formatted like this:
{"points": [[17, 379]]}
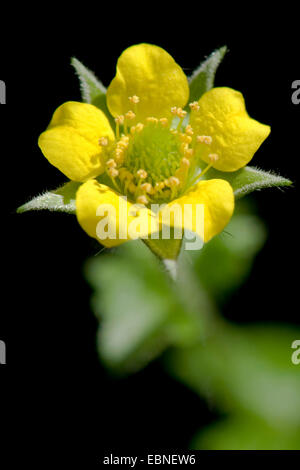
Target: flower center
{"points": [[153, 161]]}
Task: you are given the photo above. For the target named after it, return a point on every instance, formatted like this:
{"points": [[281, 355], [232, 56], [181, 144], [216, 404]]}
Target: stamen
{"points": [[181, 113], [142, 200], [139, 127], [204, 139], [164, 122], [103, 141], [213, 157], [188, 153], [147, 187], [154, 120], [111, 163], [119, 121], [189, 130], [113, 172], [194, 106], [142, 174], [134, 99], [130, 115], [172, 181]]}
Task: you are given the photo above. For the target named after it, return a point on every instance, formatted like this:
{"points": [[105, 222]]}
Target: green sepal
{"points": [[249, 179], [164, 249], [92, 89], [59, 200], [202, 79]]}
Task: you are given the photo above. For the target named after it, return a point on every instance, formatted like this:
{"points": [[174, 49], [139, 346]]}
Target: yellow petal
{"points": [[70, 142], [216, 196], [110, 218], [150, 73], [235, 136]]}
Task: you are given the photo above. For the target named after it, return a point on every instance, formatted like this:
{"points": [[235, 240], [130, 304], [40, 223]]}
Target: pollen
{"points": [[164, 122], [142, 174], [154, 120], [194, 106], [213, 157], [130, 115], [103, 141], [134, 99], [113, 172], [120, 119], [147, 187], [189, 130], [111, 163], [172, 181], [181, 113], [185, 162], [204, 139], [142, 200]]}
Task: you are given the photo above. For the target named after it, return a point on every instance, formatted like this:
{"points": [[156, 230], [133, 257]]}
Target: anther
{"points": [[139, 127], [189, 130], [142, 174], [194, 106], [147, 187], [213, 157], [187, 139], [103, 141], [119, 119], [164, 122], [181, 113], [134, 99], [112, 172], [204, 139], [130, 115], [152, 119], [159, 186], [142, 200], [174, 110], [185, 162], [173, 181], [188, 153], [111, 163]]}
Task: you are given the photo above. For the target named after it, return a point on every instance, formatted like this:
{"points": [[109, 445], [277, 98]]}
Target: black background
{"points": [[55, 395]]}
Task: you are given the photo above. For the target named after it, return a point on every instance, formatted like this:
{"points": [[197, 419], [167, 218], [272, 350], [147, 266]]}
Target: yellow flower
{"points": [[154, 154]]}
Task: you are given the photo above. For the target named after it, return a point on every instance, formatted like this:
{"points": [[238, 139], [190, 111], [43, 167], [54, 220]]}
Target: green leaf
{"points": [[137, 306], [245, 433], [92, 89], [249, 179], [164, 249], [59, 200], [246, 369], [203, 77], [233, 252]]}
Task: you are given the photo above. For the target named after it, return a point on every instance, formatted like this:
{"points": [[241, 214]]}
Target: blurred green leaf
{"points": [[59, 200], [245, 433], [225, 262], [247, 370], [203, 77], [249, 179], [138, 308]]}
